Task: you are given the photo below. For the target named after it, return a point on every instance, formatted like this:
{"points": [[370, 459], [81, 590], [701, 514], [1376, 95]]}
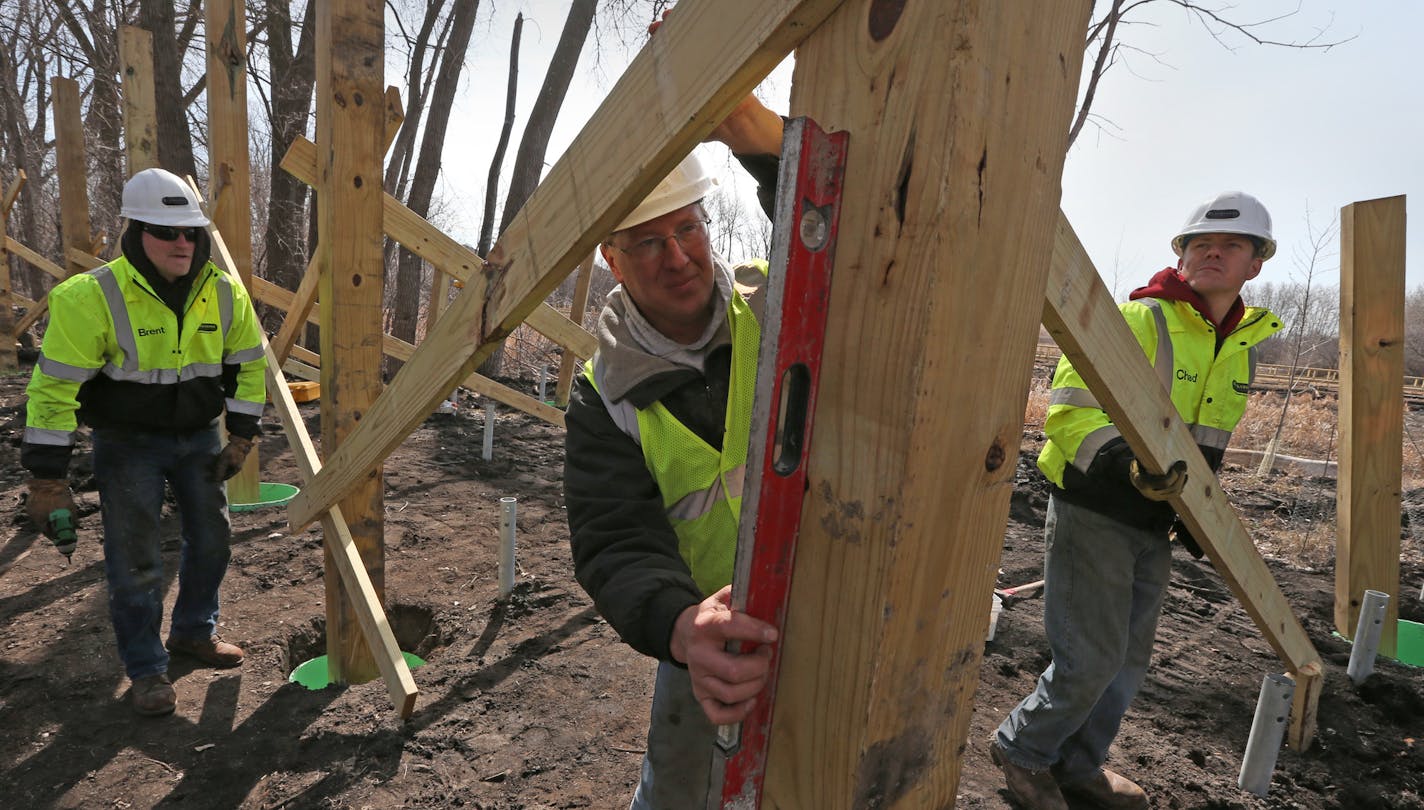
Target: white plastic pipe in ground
{"points": [[1367, 636], [543, 380], [489, 432], [1267, 730], [506, 546]]}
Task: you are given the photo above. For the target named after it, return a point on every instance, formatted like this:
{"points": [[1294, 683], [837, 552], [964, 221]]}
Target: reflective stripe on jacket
{"points": [[701, 487], [116, 355], [1207, 386]]}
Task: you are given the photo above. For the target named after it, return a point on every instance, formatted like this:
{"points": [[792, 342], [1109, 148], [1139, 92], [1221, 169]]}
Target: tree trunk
{"points": [[175, 142], [529, 161], [293, 76], [492, 183]]}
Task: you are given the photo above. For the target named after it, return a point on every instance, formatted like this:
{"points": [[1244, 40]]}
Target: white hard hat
{"points": [[689, 182], [160, 197], [1229, 212]]}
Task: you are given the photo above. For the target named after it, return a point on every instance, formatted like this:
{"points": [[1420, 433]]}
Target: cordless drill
{"points": [[65, 538]]}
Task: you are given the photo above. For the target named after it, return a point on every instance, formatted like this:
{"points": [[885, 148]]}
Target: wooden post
{"points": [[229, 170], [1371, 411], [73, 178], [568, 364], [686, 80], [140, 107], [350, 113], [9, 357], [957, 115]]}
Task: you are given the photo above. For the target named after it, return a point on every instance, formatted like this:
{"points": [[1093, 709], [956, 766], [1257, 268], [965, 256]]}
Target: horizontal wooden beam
{"points": [[269, 293], [683, 83], [414, 233], [1080, 315]]}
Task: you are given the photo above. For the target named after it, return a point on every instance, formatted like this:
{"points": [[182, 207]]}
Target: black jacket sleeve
{"points": [[624, 550]]}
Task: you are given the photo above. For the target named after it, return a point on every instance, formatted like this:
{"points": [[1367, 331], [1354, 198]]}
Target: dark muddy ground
{"points": [[534, 702]]}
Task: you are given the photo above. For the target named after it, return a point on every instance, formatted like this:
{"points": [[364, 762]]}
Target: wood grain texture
{"points": [[683, 82], [140, 109], [957, 114], [350, 124], [1371, 412], [73, 175], [568, 364]]}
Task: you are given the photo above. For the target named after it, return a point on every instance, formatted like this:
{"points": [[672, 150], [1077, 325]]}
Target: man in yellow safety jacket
{"points": [[148, 350], [1107, 532], [656, 449]]}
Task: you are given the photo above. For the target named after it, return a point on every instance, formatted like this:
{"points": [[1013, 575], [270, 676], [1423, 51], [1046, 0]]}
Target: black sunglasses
{"points": [[168, 233]]}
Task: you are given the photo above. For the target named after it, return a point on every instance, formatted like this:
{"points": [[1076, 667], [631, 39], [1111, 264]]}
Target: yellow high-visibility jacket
{"points": [[115, 355]]}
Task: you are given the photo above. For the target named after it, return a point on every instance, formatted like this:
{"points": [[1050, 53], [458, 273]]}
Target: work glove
{"points": [[229, 461], [48, 495], [1183, 535], [1160, 487]]}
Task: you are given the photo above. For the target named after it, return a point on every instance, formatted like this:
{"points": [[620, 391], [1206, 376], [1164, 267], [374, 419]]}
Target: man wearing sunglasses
{"points": [[148, 351]]}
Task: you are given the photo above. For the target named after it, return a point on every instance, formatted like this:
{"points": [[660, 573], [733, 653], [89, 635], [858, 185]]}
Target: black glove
{"points": [[229, 462], [1184, 536]]}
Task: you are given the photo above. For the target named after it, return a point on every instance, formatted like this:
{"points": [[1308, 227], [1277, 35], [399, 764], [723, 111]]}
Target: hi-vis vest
{"points": [[701, 487], [1207, 387], [109, 325]]}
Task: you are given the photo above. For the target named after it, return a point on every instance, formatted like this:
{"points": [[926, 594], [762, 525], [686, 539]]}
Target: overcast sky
{"points": [[1183, 118]]}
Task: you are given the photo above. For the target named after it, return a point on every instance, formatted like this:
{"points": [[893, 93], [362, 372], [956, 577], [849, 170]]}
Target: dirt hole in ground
{"points": [[414, 627]]}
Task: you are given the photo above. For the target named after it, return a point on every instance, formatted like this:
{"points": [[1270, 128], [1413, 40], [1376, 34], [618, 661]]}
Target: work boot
{"points": [[1110, 791], [1033, 790], [153, 695], [212, 651]]}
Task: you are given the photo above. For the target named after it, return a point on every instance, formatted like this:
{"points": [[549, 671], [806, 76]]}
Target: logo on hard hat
{"points": [[1223, 213], [175, 200]]}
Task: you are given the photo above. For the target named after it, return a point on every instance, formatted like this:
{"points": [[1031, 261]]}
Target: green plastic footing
{"points": [[314, 674], [1409, 643], [268, 495]]}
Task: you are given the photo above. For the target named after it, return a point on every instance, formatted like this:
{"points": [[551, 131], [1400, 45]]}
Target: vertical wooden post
{"points": [[350, 125], [1371, 411], [73, 176], [229, 169], [957, 114], [568, 364], [140, 107], [9, 357]]}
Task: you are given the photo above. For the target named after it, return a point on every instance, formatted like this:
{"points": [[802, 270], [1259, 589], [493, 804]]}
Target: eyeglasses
{"points": [[168, 233], [692, 236]]}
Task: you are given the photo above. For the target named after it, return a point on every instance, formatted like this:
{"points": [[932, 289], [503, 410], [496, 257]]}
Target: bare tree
{"points": [[1309, 261], [1224, 22], [492, 183]]}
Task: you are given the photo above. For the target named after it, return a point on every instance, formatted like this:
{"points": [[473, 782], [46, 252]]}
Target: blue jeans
{"points": [[680, 739], [131, 468], [1105, 585]]}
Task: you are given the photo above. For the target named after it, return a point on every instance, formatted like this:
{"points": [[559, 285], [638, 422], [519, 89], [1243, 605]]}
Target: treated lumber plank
{"points": [[69, 160], [338, 543], [1085, 323], [414, 233], [269, 293], [568, 364], [908, 486], [350, 123], [34, 258], [679, 87], [230, 172], [140, 107], [1371, 412], [298, 307], [9, 356]]}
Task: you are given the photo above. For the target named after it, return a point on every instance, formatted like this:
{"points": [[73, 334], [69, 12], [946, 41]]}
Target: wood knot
{"points": [[994, 459], [884, 14]]}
